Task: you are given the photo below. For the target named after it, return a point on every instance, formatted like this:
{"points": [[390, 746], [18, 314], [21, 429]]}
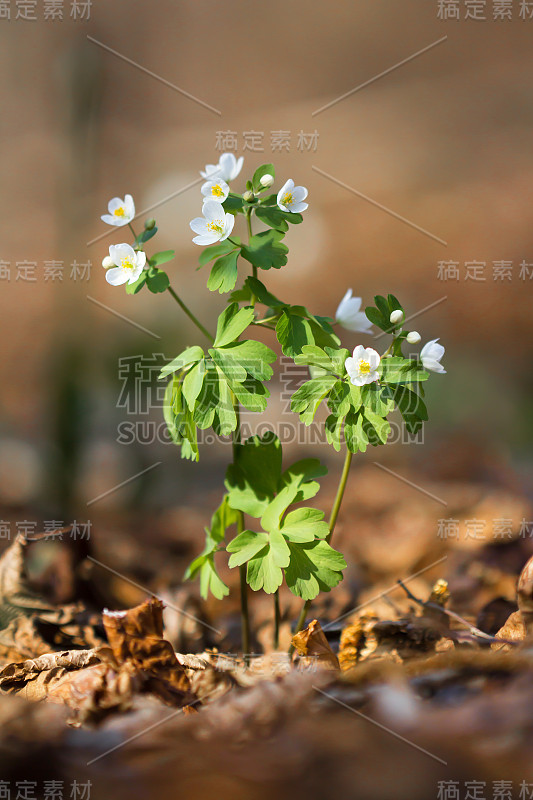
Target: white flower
{"points": [[267, 180], [291, 197], [228, 168], [350, 317], [107, 262], [413, 337], [128, 262], [396, 316], [431, 355], [362, 367], [214, 226], [215, 190], [121, 212]]}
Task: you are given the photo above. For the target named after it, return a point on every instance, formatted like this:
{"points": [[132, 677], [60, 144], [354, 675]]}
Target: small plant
{"points": [[262, 521]]}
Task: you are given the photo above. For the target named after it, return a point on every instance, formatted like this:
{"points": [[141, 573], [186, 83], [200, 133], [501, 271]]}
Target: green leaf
{"points": [[354, 433], [245, 546], [379, 425], [157, 280], [377, 398], [249, 357], [231, 323], [293, 333], [314, 567], [205, 408], [210, 581], [302, 477], [265, 569], [145, 236], [253, 479], [266, 250], [304, 525], [306, 400], [224, 273], [233, 203], [161, 258], [214, 251], [179, 420], [412, 408], [192, 383], [260, 291], [226, 417], [252, 394], [402, 370], [264, 169], [223, 518], [275, 218], [189, 356], [133, 288]]}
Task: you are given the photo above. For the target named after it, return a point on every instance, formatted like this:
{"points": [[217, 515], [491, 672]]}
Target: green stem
{"points": [[248, 215], [245, 617], [332, 522], [190, 314], [277, 617], [130, 226]]}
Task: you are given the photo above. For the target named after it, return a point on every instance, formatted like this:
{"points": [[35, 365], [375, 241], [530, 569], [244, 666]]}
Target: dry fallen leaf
{"points": [[312, 642]]}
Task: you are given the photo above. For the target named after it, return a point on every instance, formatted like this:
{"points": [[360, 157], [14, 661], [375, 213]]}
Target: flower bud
{"points": [[396, 316], [267, 180], [248, 196], [108, 262], [413, 337], [149, 224]]}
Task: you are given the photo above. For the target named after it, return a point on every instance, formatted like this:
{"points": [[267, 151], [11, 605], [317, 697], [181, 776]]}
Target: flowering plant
{"points": [[276, 538]]}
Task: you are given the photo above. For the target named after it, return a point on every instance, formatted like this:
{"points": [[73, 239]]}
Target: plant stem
{"points": [[248, 215], [130, 226], [332, 522], [277, 617], [340, 494], [245, 617], [190, 314]]}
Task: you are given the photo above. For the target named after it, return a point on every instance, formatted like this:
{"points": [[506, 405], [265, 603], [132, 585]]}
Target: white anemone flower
{"points": [[214, 226], [121, 212], [215, 190], [291, 197], [228, 168], [431, 355], [362, 366], [350, 316], [128, 262]]}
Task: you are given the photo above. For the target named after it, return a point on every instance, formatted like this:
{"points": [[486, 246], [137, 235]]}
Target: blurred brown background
{"points": [[444, 141]]}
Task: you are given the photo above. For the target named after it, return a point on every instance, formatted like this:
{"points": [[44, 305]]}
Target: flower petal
{"points": [[206, 238], [116, 276], [297, 208], [213, 210], [198, 225]]}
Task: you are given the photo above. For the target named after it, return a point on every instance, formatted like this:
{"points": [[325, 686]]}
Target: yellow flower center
{"points": [[217, 191], [127, 263], [217, 226], [287, 199], [119, 212], [364, 367]]}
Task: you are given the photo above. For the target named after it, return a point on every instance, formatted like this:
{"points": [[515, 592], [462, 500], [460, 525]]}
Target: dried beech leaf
{"points": [[136, 638], [17, 598], [525, 596], [312, 642]]}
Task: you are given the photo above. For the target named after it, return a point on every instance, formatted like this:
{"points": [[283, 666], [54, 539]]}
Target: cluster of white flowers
{"points": [[362, 366], [123, 264], [215, 225]]}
